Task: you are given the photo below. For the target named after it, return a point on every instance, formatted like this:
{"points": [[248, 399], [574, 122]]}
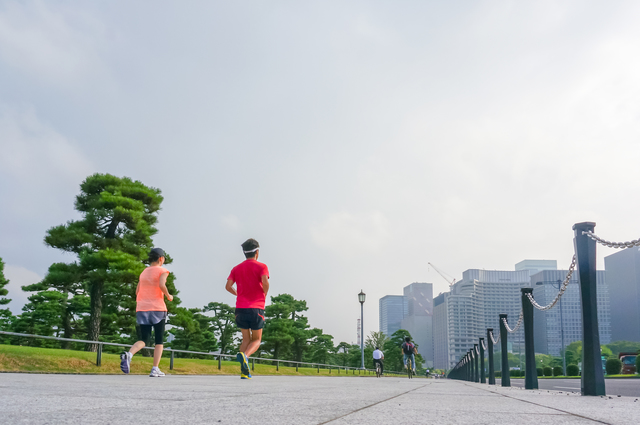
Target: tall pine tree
{"points": [[111, 242]]}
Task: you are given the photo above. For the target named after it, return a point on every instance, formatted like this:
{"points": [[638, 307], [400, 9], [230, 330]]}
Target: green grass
{"points": [[15, 358]]}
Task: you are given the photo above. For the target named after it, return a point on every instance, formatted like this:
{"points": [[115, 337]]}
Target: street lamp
{"points": [[361, 298], [562, 353]]}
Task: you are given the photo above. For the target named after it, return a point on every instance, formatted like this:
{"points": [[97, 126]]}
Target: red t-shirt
{"points": [[248, 278]]}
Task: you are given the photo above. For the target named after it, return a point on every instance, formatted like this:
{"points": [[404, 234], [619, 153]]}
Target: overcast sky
{"points": [[356, 141]]}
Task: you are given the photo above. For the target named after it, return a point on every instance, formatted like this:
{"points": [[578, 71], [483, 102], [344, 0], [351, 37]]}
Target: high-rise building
{"points": [[392, 309], [474, 304], [564, 320], [623, 279], [535, 266], [419, 321]]}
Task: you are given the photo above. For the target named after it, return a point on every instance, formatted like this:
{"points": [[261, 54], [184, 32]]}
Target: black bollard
{"points": [[492, 372], [476, 363], [592, 374], [171, 361], [99, 356], [472, 372], [530, 374], [482, 374], [505, 378]]}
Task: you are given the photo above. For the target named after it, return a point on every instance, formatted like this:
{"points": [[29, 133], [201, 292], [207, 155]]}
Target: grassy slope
{"points": [[49, 360]]}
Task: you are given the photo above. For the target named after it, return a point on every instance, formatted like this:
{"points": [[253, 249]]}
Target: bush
{"points": [[540, 371], [514, 373], [638, 363], [548, 371], [573, 370], [498, 374], [613, 366], [557, 371]]}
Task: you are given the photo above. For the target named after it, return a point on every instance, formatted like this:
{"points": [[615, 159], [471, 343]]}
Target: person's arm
{"points": [[163, 286], [229, 287], [265, 284], [382, 358]]}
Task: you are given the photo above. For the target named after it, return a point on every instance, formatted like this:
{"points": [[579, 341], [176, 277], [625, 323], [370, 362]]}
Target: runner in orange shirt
{"points": [[151, 311]]}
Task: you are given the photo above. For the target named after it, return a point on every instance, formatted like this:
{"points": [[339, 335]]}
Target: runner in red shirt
{"points": [[252, 281]]}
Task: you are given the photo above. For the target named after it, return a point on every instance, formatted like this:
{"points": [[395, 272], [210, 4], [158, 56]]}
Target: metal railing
{"points": [[277, 362]]}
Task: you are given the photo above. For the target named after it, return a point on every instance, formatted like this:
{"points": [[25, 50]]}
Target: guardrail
{"points": [[592, 377], [277, 362]]}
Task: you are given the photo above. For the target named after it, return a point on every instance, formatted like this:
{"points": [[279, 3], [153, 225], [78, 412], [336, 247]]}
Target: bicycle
{"points": [[378, 370], [409, 368]]}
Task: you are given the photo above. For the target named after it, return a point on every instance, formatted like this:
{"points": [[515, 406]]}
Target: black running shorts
{"points": [[250, 318]]}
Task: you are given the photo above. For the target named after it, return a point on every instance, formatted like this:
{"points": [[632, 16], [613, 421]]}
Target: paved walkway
{"points": [[84, 399]]}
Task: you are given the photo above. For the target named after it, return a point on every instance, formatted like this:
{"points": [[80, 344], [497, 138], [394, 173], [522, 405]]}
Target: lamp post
{"points": [[562, 353], [361, 298]]}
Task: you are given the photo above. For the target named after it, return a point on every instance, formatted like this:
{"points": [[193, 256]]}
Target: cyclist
{"points": [[409, 351], [378, 358]]}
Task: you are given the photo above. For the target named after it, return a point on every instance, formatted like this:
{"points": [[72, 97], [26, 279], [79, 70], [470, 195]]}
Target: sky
{"points": [[356, 141]]}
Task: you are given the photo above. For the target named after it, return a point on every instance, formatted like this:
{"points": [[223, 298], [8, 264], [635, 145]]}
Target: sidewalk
{"points": [[83, 399]]}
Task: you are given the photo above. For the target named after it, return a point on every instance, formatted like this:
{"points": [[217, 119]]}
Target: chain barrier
{"points": [[610, 244], [484, 346], [506, 325], [495, 341], [477, 352], [563, 288]]}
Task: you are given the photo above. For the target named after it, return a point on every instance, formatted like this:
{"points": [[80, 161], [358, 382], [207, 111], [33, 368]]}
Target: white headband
{"points": [[253, 250]]}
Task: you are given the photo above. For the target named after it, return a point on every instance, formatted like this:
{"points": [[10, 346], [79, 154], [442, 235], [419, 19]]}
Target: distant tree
{"points": [[393, 357], [111, 242], [223, 324], [321, 348], [376, 339], [192, 331], [5, 314], [342, 352], [618, 347], [41, 316]]}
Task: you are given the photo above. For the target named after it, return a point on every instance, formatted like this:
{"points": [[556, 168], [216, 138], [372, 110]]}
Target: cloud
{"points": [[18, 277], [31, 149], [55, 46], [349, 235]]}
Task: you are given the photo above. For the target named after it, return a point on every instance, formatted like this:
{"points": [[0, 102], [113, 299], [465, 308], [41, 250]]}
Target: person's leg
{"points": [[254, 342], [413, 362], [158, 333], [381, 366], [404, 359], [246, 339], [144, 332], [157, 354], [139, 345]]}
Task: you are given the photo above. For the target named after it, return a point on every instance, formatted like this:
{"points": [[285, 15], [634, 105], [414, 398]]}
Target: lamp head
{"points": [[361, 297]]}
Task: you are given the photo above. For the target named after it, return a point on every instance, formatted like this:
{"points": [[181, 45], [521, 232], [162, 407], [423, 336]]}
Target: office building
{"points": [[473, 304], [535, 266], [564, 320], [392, 310], [623, 279], [419, 320]]}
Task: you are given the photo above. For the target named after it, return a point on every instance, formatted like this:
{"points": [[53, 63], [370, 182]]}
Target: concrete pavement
{"points": [[43, 399], [628, 387]]}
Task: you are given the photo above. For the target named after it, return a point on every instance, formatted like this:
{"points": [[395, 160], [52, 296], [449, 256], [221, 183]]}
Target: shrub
{"points": [[573, 370], [523, 373], [548, 371], [557, 371], [638, 363], [613, 366], [515, 373], [540, 371], [498, 374]]}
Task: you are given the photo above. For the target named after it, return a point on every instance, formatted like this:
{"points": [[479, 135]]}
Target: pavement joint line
{"points": [[371, 405], [542, 405]]}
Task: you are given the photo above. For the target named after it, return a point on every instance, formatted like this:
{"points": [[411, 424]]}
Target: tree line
{"points": [[93, 296]]}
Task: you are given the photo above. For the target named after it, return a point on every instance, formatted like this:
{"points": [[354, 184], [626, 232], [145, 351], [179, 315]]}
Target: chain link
{"points": [[506, 325], [484, 346], [563, 288], [630, 244], [495, 341], [477, 352]]}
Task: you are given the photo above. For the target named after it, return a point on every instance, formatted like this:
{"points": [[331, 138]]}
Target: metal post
{"points": [[492, 372], [219, 361], [592, 374], [530, 374], [319, 369], [362, 333], [505, 378], [253, 364], [482, 372], [297, 366], [476, 366], [471, 372], [277, 366], [564, 355], [99, 356], [171, 361]]}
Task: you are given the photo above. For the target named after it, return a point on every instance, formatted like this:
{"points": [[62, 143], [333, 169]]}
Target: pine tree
{"points": [[5, 314], [223, 324], [111, 242]]}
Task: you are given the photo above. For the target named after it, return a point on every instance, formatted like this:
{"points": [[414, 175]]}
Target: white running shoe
{"points": [[125, 361], [156, 372]]}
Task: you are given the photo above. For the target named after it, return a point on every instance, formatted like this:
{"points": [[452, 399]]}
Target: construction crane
{"points": [[450, 281]]}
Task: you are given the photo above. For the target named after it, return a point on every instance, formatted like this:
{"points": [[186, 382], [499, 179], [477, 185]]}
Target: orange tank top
{"points": [[150, 296]]}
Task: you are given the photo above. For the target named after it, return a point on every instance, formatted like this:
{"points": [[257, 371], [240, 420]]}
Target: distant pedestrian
{"points": [[252, 284], [151, 311]]}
